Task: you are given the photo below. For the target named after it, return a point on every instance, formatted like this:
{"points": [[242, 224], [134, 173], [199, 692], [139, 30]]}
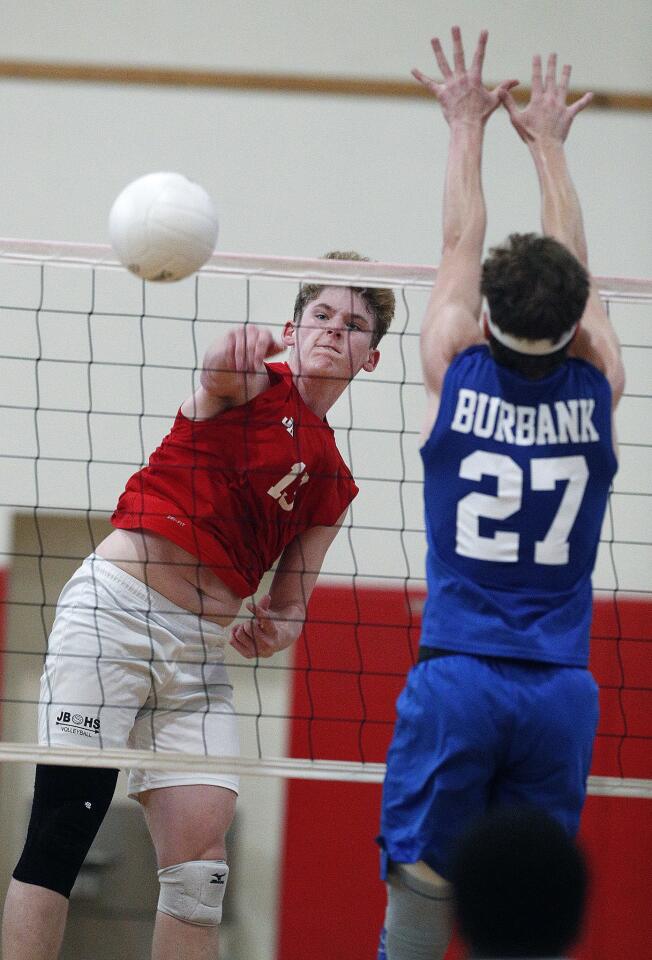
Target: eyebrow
{"points": [[352, 316]]}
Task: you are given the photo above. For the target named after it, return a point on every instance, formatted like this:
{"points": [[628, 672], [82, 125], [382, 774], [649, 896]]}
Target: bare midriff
{"points": [[172, 572]]}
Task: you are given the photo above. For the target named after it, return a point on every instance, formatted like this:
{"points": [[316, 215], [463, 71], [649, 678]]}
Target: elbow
{"points": [[451, 241], [465, 241]]}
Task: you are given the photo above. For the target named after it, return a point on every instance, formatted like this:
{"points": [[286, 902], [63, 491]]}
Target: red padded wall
{"points": [[332, 902]]}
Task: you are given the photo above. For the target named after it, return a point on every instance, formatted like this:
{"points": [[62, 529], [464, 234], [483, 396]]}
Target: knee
{"points": [[421, 878], [419, 915], [194, 891], [69, 806]]}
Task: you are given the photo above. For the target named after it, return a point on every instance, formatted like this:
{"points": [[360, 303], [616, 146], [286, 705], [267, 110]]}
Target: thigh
{"points": [[442, 759], [193, 713], [555, 719], [96, 673], [188, 822]]}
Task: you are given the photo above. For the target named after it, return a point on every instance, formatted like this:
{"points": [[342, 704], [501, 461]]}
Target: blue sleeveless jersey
{"points": [[517, 474]]}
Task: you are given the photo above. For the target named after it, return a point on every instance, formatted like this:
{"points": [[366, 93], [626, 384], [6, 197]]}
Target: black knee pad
{"points": [[69, 806]]}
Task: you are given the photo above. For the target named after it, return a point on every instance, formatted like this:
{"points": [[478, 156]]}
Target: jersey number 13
{"points": [[545, 474]]}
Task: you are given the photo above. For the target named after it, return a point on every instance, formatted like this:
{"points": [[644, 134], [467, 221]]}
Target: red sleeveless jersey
{"points": [[236, 489]]}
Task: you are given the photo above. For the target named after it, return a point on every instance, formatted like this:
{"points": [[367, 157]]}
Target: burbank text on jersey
{"points": [[565, 421]]}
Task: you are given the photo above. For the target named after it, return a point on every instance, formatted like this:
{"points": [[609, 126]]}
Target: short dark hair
{"points": [[519, 885], [536, 290], [379, 300]]}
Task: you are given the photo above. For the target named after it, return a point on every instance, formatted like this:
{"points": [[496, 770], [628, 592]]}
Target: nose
{"points": [[335, 327]]}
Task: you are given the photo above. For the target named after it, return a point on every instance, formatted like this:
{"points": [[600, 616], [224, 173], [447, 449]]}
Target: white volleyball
{"points": [[163, 226]]}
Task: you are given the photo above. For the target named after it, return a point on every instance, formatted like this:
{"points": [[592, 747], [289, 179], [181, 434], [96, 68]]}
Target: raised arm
{"points": [[233, 372], [544, 125], [451, 321]]}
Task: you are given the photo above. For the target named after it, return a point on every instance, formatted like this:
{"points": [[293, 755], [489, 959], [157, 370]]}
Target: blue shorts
{"points": [[477, 732]]}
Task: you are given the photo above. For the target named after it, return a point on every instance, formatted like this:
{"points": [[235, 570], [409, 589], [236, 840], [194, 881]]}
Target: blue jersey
{"points": [[517, 475]]}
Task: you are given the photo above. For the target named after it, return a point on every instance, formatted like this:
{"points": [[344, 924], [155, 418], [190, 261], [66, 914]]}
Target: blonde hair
{"points": [[380, 301]]}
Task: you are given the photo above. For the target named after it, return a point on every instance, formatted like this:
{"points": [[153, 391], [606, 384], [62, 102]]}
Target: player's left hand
{"points": [[263, 635], [462, 94], [547, 117]]}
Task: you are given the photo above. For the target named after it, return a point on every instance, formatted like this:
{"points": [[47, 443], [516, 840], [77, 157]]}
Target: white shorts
{"points": [[127, 667]]}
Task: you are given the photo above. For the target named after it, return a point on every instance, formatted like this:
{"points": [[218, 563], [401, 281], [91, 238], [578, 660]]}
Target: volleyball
{"points": [[163, 227]]}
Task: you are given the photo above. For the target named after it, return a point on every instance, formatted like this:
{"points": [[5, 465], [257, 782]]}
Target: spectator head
{"points": [[519, 885]]}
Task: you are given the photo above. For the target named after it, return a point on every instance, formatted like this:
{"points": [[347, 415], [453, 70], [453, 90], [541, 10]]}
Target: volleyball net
{"points": [[94, 365]]}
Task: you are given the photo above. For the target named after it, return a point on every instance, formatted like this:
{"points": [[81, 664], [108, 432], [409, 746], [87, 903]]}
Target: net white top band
{"points": [[62, 254], [536, 348]]}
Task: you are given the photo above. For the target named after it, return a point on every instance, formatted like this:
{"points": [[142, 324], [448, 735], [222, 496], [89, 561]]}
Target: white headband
{"points": [[536, 348]]}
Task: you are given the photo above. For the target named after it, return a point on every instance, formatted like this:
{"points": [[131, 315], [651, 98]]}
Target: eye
{"points": [[321, 316], [353, 325]]}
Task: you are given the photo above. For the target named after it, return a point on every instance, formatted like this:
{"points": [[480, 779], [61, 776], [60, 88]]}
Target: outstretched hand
{"points": [[547, 116], [462, 95]]}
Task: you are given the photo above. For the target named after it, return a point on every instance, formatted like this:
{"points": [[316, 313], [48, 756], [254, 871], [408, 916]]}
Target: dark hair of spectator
{"points": [[520, 886]]}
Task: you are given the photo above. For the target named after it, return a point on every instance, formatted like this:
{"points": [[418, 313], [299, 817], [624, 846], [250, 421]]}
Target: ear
{"points": [[289, 334], [371, 362]]}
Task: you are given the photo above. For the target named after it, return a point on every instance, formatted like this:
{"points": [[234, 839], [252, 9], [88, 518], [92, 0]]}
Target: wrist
{"points": [[546, 146], [288, 635], [290, 623], [467, 127], [466, 141], [550, 161]]}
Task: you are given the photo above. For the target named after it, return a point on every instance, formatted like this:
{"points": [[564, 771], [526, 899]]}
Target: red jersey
{"points": [[236, 489]]}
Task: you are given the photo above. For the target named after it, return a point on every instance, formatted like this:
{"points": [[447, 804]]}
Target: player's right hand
{"points": [[245, 348], [233, 371], [462, 94]]}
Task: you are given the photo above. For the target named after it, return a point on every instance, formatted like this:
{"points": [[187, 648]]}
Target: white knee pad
{"points": [[194, 891]]}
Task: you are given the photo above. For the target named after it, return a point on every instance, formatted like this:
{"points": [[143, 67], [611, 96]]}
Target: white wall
{"points": [[364, 38], [298, 175]]}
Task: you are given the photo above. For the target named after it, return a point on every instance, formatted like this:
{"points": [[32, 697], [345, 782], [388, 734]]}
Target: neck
{"points": [[319, 393]]}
